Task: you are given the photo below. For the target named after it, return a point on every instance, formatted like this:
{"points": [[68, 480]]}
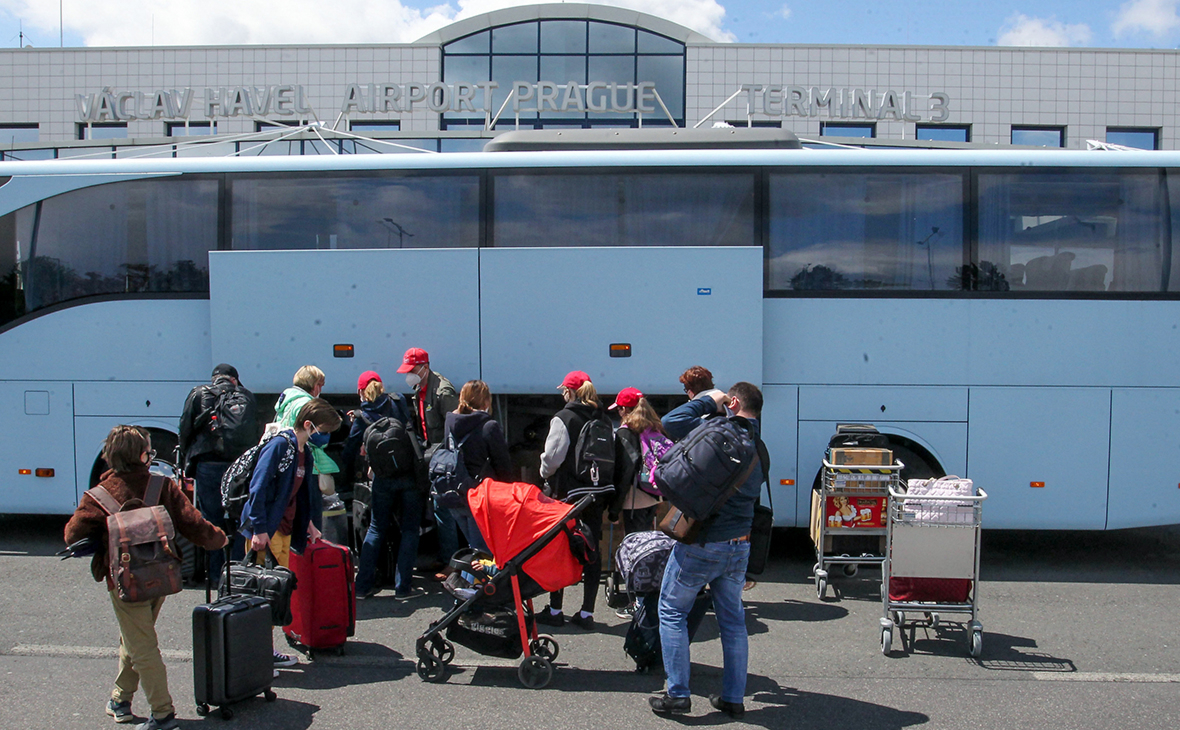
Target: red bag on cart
{"points": [[323, 606], [932, 590]]}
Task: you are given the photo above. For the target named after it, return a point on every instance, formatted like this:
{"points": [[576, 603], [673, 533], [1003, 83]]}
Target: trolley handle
{"points": [[888, 468]]}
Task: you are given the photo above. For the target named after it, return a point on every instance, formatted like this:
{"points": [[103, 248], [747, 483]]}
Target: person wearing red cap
{"points": [[389, 496], [639, 443], [562, 482], [434, 397]]}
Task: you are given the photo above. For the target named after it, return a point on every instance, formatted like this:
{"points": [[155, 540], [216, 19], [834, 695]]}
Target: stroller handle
{"points": [[525, 555]]}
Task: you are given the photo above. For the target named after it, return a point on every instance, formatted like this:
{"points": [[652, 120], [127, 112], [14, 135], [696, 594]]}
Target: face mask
{"points": [[413, 380], [319, 439]]}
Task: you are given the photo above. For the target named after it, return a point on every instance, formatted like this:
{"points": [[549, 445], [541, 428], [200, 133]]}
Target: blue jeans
{"points": [[207, 486], [448, 532], [390, 494], [466, 524], [722, 565]]}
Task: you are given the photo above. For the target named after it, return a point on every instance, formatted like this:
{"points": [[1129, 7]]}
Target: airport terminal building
{"points": [[570, 66]]}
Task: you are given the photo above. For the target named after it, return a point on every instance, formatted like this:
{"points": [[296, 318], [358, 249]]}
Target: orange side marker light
{"points": [[1037, 485]]}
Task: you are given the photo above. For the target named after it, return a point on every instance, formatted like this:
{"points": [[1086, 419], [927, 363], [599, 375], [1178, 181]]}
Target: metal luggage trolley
{"points": [[933, 539], [851, 482]]}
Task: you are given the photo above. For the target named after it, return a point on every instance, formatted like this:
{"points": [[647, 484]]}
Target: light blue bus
{"points": [[1005, 315]]}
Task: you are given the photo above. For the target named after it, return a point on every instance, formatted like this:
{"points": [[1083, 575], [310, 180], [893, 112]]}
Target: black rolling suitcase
{"points": [[233, 650], [642, 641]]}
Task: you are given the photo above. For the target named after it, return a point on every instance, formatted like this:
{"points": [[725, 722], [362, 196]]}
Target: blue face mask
{"points": [[319, 439]]}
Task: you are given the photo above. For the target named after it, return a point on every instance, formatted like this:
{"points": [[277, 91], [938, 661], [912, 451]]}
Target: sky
{"points": [[1079, 23]]}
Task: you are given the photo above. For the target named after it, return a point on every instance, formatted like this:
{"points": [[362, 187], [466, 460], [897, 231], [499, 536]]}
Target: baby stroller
{"points": [[640, 560], [537, 546]]}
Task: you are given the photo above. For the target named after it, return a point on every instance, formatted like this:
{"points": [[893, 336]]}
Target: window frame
{"points": [[1060, 129]]}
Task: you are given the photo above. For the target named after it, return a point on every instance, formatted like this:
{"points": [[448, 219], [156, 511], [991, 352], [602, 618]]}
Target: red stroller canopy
{"points": [[514, 516]]}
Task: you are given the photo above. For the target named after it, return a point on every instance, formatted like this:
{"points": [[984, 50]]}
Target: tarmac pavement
{"points": [[1078, 633]]}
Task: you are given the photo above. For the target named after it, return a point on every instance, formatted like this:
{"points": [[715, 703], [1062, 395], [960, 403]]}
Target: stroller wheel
{"points": [[442, 650], [430, 670], [534, 672], [545, 646]]}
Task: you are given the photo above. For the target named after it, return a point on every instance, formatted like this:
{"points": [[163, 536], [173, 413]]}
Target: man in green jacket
{"points": [[433, 397]]}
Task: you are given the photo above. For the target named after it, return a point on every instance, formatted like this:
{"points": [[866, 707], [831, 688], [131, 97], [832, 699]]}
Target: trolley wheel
{"points": [[442, 650], [934, 620], [545, 646], [202, 709], [886, 641], [851, 569], [269, 695], [898, 618], [976, 643], [534, 672], [430, 669], [821, 587], [227, 713]]}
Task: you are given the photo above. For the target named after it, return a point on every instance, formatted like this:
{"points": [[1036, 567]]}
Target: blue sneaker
{"points": [[160, 723], [121, 711]]}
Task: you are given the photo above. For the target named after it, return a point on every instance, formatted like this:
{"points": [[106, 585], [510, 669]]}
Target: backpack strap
{"points": [[151, 496], [104, 499], [764, 462]]}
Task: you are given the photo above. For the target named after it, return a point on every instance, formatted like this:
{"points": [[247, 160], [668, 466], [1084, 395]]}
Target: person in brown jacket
{"points": [[128, 449]]}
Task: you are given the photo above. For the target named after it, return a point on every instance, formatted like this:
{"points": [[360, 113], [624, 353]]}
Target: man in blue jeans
{"points": [[718, 560], [218, 424]]}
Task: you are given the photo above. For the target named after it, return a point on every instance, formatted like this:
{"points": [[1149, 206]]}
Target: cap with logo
{"points": [[414, 357]]}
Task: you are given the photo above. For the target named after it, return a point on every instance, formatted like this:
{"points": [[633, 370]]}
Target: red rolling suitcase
{"points": [[323, 606]]}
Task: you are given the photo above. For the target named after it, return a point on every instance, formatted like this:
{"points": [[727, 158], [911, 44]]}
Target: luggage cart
{"points": [[932, 557], [850, 484]]}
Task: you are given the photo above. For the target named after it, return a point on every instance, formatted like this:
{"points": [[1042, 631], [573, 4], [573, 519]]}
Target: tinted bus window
{"points": [[276, 212], [1074, 231], [140, 236], [879, 231], [613, 209]]}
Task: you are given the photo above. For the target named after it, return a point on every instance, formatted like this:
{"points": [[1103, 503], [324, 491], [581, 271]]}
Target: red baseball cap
{"points": [[574, 380], [367, 377], [414, 356], [627, 398]]}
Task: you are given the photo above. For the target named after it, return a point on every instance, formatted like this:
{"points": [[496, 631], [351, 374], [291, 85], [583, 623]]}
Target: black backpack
{"points": [[449, 480], [230, 414], [389, 447], [235, 485], [703, 470], [594, 457]]}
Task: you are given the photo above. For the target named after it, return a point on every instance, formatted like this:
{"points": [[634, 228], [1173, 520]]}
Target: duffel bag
{"points": [[271, 581]]}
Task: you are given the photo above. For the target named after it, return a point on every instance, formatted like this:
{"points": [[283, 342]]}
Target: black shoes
{"points": [[582, 622], [736, 710], [548, 618], [665, 705]]}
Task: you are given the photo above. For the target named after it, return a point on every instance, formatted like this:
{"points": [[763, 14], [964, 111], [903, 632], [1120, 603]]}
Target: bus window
{"points": [[624, 209], [874, 231], [324, 212], [1074, 231], [119, 238]]}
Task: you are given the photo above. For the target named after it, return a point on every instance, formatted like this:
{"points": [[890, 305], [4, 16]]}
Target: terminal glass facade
{"points": [[563, 52]]}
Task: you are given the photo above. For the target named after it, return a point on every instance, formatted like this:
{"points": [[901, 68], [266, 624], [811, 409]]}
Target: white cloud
{"points": [[785, 12], [218, 22], [1157, 17], [1021, 30]]}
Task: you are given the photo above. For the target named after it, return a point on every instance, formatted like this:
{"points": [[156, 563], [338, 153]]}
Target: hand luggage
{"points": [[323, 606], [642, 641], [763, 524], [272, 582], [233, 651]]}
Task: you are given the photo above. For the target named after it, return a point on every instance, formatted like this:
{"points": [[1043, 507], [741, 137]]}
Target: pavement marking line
{"points": [[1106, 677], [88, 652]]}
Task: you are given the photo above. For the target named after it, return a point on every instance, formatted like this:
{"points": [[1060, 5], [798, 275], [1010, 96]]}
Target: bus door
{"points": [[344, 311]]}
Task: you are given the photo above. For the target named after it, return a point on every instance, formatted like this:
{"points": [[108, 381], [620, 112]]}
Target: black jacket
{"points": [[196, 441], [388, 404], [574, 416], [628, 455], [485, 452]]}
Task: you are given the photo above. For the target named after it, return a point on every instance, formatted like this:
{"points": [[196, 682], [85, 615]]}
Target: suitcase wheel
{"points": [[227, 713], [202, 710], [269, 696]]}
